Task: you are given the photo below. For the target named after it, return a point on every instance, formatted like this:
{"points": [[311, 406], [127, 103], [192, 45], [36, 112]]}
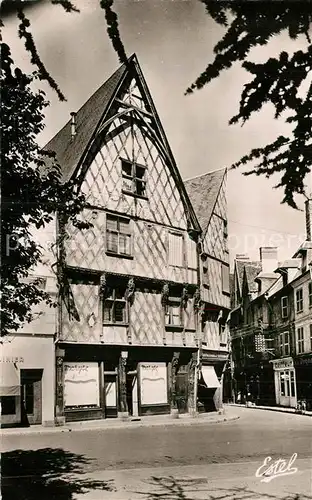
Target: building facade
{"points": [[271, 330], [132, 309]]}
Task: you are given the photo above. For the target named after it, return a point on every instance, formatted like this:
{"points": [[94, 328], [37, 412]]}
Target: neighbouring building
{"points": [[144, 293], [27, 367], [271, 328]]}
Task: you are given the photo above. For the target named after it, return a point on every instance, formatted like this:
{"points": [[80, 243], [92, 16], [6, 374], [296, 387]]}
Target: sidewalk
{"points": [[150, 421], [270, 408]]}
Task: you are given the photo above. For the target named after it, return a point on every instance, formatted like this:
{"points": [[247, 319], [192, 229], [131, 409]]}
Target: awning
{"points": [[9, 380], [210, 377]]}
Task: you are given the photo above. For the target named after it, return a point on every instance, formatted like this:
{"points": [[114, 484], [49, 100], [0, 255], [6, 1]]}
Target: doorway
{"points": [[31, 396], [287, 388], [132, 393]]}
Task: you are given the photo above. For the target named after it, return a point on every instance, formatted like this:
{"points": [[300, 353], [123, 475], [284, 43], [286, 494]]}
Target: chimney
{"points": [[242, 257], [268, 257], [308, 213], [73, 123]]}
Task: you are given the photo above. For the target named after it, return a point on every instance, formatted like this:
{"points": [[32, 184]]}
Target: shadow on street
{"points": [[46, 474], [169, 488]]}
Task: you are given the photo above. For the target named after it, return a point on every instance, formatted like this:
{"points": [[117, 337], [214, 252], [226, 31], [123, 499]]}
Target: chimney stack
{"points": [[73, 123], [268, 257], [242, 257]]}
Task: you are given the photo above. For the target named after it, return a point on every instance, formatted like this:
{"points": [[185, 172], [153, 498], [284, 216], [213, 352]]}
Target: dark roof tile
{"points": [[203, 193]]}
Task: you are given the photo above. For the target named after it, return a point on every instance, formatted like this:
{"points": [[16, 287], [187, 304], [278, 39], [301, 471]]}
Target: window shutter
{"points": [[225, 278], [175, 249], [191, 253]]}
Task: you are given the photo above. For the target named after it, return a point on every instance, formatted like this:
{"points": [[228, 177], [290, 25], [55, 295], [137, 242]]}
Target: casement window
{"points": [[310, 294], [118, 235], [300, 340], [225, 278], [133, 178], [176, 249], [299, 300], [284, 344], [115, 307], [174, 313], [284, 306]]}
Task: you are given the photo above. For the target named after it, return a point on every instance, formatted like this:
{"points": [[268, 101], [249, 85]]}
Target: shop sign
{"points": [[12, 359], [283, 363], [81, 384], [153, 378]]}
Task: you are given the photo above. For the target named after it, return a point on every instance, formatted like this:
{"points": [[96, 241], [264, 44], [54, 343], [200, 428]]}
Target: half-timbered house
{"points": [[130, 312]]}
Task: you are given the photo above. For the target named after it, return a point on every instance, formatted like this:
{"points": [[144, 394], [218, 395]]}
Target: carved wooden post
{"points": [[174, 369], [129, 296], [122, 386], [192, 386], [59, 407]]}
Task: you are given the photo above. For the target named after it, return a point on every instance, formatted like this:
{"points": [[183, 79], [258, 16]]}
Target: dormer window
{"points": [[133, 178]]}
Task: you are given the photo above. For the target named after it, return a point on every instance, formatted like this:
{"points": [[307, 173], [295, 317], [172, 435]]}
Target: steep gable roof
{"points": [[252, 269], [203, 192], [69, 151]]}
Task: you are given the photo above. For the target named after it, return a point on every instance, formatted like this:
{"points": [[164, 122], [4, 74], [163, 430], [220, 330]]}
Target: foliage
{"points": [[31, 193], [278, 81]]}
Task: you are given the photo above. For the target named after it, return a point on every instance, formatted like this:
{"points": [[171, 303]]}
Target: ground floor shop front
{"points": [[96, 382], [27, 380]]}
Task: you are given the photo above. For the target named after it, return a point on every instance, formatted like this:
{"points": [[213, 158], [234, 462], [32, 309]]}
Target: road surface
{"points": [[189, 462]]}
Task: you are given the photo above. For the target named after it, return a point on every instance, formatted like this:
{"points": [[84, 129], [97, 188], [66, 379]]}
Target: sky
{"points": [[173, 40]]}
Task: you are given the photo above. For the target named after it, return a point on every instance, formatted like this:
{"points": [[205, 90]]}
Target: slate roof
{"points": [[69, 150], [252, 269], [203, 192]]}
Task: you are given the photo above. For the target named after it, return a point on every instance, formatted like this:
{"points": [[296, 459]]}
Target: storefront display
{"points": [[153, 378]]}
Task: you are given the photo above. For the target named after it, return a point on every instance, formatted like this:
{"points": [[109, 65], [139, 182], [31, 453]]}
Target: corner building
{"points": [[129, 328]]}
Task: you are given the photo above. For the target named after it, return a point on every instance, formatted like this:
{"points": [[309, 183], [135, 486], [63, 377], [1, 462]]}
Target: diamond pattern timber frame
{"points": [[87, 302]]}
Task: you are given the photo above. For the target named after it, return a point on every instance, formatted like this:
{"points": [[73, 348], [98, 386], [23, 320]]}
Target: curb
{"points": [[277, 409], [117, 426]]}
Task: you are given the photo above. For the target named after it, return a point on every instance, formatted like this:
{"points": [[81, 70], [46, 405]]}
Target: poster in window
{"points": [[153, 378], [81, 384]]}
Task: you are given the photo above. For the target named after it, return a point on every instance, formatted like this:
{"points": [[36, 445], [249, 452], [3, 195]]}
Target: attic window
{"points": [[133, 178]]}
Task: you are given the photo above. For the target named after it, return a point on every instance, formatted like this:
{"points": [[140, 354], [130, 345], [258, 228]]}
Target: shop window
{"points": [[292, 383], [133, 178], [174, 313], [176, 251], [81, 384], [282, 382], [284, 304], [115, 307], [118, 235], [299, 300], [300, 340], [8, 405], [310, 294]]}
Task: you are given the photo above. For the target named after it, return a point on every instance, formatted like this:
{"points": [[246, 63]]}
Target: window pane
{"points": [[127, 184], [140, 188], [107, 313], [139, 172], [112, 242], [124, 244], [120, 293], [124, 226], [119, 312], [8, 405], [111, 223], [126, 168]]}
